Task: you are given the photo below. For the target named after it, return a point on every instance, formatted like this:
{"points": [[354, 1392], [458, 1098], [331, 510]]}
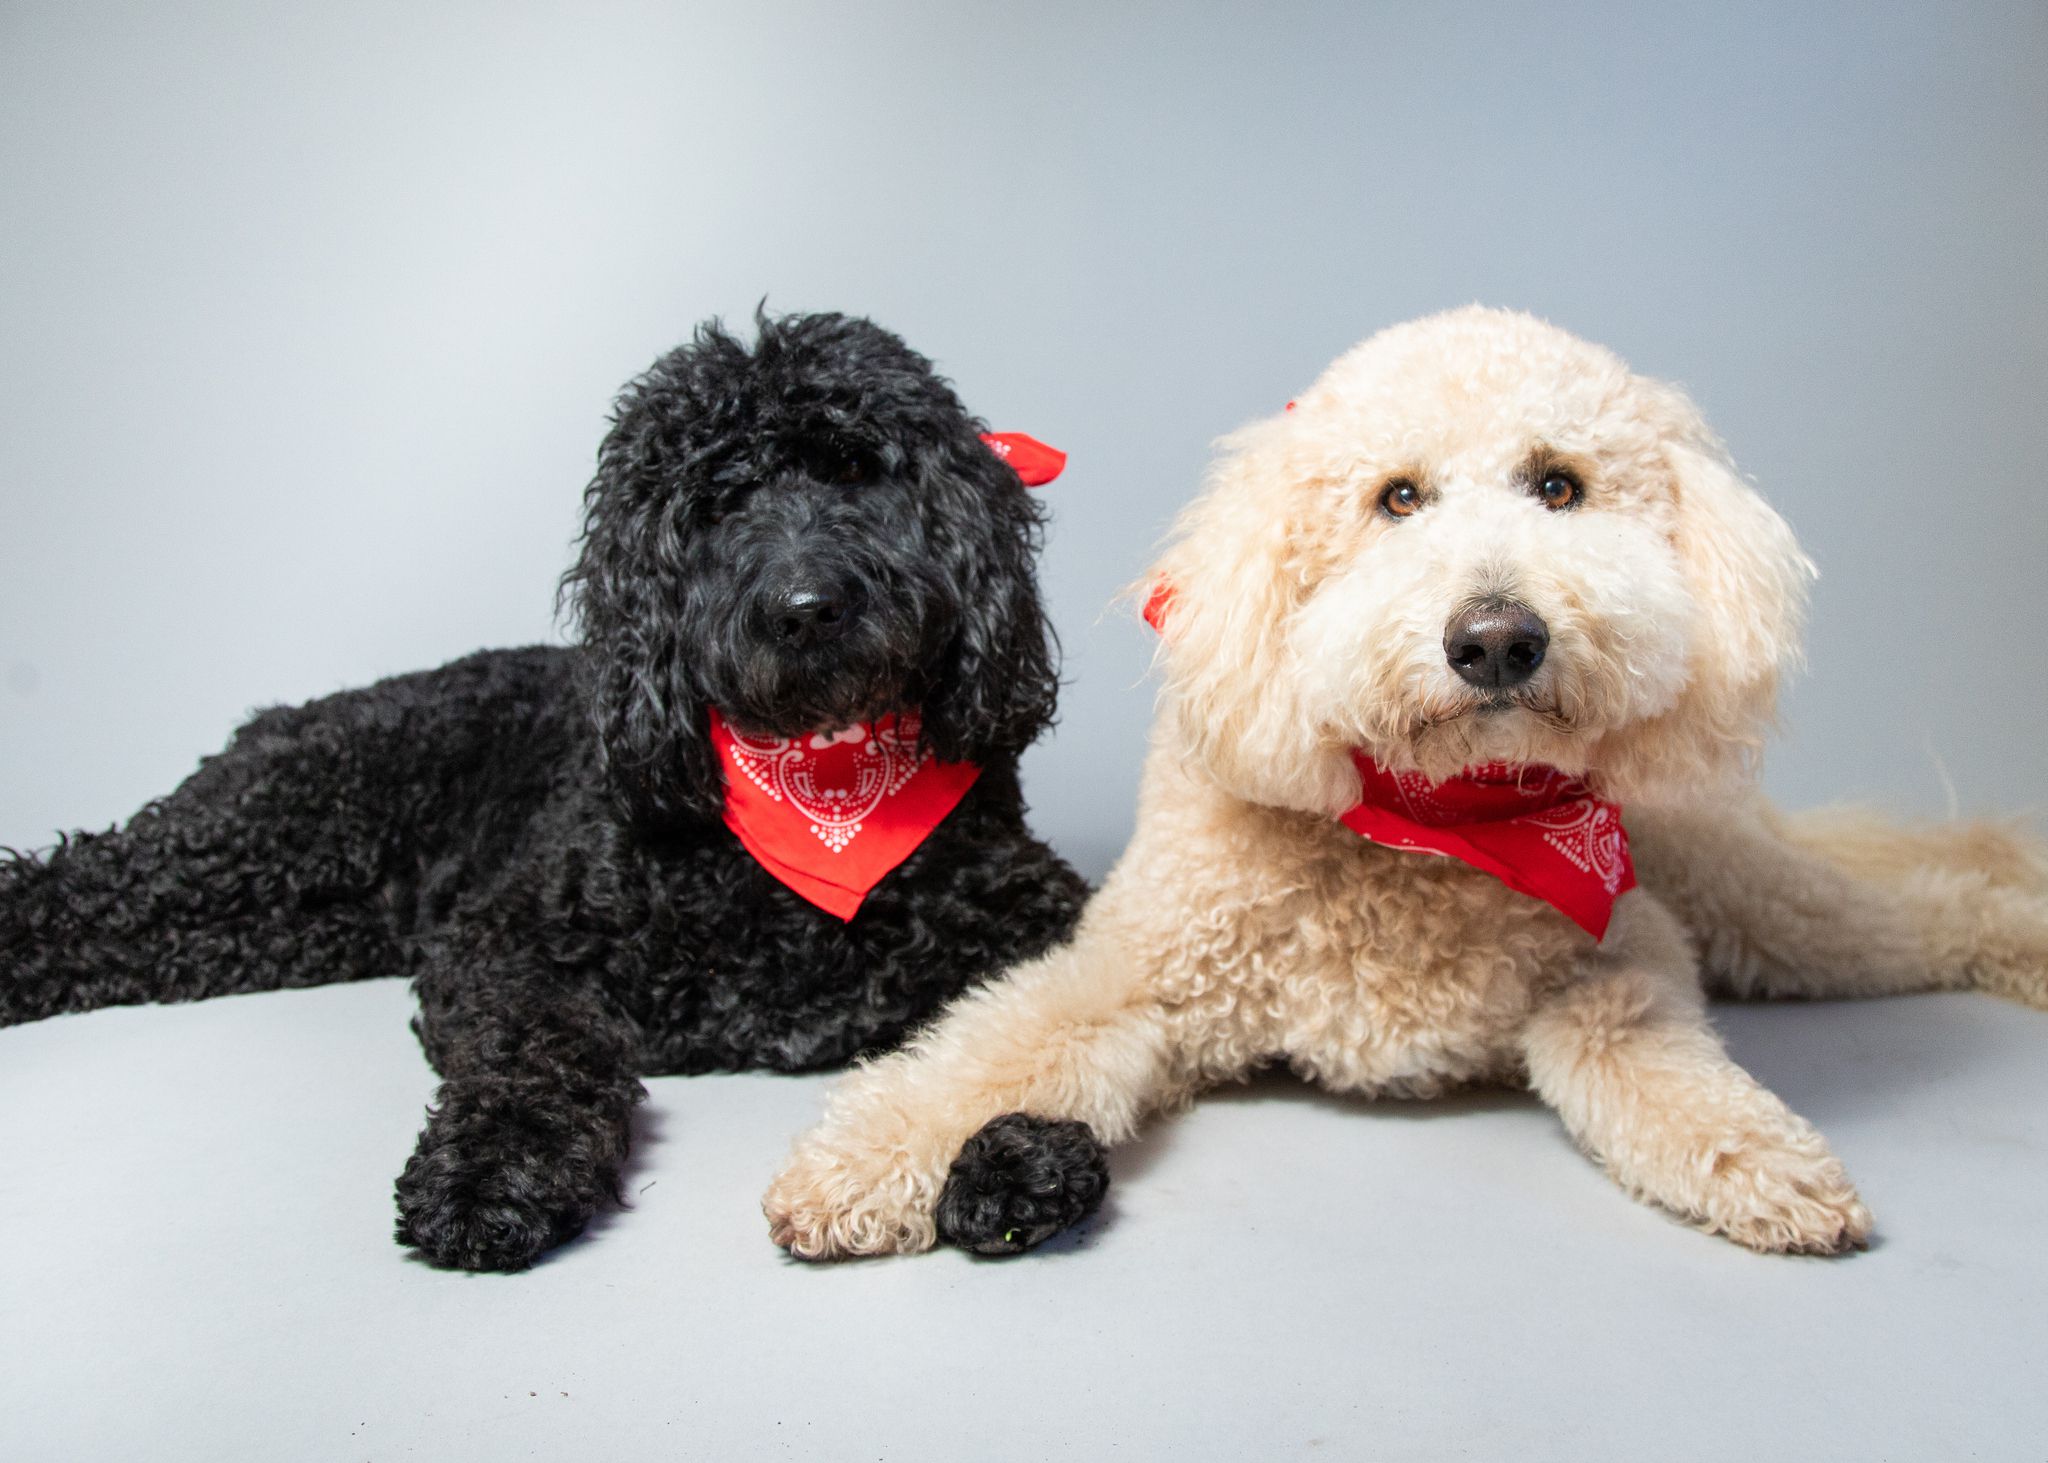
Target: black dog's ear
{"points": [[998, 684], [653, 726]]}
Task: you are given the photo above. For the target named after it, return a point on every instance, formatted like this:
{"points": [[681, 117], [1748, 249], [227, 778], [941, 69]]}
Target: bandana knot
{"points": [[1033, 461]]}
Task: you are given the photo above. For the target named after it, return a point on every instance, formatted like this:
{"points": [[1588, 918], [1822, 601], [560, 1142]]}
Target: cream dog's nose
{"points": [[1496, 643]]}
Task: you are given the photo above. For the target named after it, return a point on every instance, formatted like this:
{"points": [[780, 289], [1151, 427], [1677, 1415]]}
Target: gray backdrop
{"points": [[312, 314], [309, 319]]}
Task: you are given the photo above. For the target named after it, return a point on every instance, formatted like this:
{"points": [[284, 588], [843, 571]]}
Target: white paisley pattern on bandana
{"points": [[837, 793], [1588, 833]]}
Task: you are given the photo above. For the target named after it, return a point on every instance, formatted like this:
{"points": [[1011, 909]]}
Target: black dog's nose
{"points": [[811, 615], [1496, 643]]}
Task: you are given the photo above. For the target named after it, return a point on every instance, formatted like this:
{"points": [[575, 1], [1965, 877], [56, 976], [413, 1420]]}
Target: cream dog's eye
{"points": [[1400, 498], [1559, 490]]}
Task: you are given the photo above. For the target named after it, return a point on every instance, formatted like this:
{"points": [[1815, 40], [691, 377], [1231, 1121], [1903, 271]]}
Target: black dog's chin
{"points": [[803, 720], [808, 693]]}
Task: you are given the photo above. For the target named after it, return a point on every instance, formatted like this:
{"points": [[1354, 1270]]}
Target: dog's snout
{"points": [[812, 614], [1496, 643]]}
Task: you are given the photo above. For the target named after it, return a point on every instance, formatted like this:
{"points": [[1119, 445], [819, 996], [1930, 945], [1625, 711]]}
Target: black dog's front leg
{"points": [[527, 1137]]}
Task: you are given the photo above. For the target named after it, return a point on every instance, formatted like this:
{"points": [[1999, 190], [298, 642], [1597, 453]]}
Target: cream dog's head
{"points": [[1477, 539]]}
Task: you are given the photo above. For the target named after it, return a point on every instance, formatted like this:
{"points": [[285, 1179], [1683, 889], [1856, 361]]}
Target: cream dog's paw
{"points": [[828, 1205], [1784, 1196]]}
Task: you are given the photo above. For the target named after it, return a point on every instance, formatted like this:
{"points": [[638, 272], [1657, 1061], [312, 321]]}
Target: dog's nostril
{"points": [[1496, 643]]}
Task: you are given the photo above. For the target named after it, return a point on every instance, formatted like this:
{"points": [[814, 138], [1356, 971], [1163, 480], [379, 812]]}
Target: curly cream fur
{"points": [[1244, 925]]}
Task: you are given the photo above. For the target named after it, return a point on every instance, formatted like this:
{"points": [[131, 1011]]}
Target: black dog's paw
{"points": [[467, 1216], [459, 1229], [1020, 1181], [496, 1200]]}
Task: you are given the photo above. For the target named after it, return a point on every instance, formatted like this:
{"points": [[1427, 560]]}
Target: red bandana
{"points": [[1537, 830], [830, 814], [1035, 462], [1157, 603]]}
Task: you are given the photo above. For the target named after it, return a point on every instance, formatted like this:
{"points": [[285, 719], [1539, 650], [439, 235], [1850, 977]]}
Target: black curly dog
{"points": [[534, 835]]}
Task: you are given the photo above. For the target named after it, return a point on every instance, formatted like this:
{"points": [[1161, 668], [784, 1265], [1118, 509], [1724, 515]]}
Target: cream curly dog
{"points": [[1476, 540]]}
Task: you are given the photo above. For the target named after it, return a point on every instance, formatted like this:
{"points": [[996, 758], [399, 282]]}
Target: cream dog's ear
{"points": [[1222, 597], [1746, 571], [1748, 579]]}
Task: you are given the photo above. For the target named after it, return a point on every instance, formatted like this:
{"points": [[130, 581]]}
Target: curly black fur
{"points": [[1020, 1181], [534, 834]]}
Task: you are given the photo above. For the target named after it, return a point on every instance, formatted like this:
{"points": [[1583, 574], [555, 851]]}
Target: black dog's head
{"points": [[803, 534]]}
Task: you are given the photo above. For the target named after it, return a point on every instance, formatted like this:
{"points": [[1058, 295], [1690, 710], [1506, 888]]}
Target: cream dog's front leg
{"points": [[1625, 1054], [1069, 1039]]}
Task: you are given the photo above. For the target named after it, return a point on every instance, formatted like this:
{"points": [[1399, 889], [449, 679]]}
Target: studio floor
{"points": [[195, 1263]]}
